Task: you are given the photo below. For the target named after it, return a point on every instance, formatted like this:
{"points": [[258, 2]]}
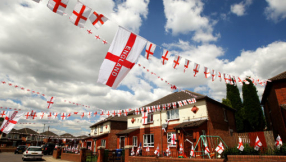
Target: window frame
{"points": [[101, 128], [225, 115], [151, 144], [169, 142], [173, 116], [134, 141], [103, 141], [150, 118]]}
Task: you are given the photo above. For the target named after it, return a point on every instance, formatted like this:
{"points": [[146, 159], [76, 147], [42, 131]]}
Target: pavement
{"points": [[11, 157]]}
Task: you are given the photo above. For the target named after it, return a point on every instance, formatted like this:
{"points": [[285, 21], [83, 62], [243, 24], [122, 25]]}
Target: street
{"points": [[11, 157]]}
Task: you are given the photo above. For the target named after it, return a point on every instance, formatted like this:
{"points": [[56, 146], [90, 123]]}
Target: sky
{"points": [[45, 52]]}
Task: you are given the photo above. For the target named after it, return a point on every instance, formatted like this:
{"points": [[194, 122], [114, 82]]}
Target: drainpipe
{"points": [[161, 133]]}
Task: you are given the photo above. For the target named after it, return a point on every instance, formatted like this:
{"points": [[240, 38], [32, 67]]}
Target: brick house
{"points": [[103, 133], [274, 103], [206, 116]]}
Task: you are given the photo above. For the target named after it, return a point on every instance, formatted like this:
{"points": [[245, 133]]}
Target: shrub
{"points": [[281, 151]]}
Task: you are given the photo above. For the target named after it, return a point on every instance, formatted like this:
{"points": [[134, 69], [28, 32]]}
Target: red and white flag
{"points": [[192, 153], [58, 6], [278, 142], [10, 121], [33, 115], [234, 80], [4, 113], [164, 57], [80, 14], [148, 109], [68, 115], [153, 108], [102, 113], [173, 139], [113, 113], [240, 145], [174, 105], [89, 115], [82, 115], [185, 102], [225, 77], [168, 151], [150, 48], [42, 115], [95, 113], [186, 66], [50, 102], [147, 149], [257, 144], [108, 113], [207, 150], [158, 107], [213, 75], [156, 152], [207, 72], [164, 106], [97, 19], [63, 116], [180, 103], [219, 76], [181, 147], [168, 106], [219, 148], [119, 113], [137, 111], [230, 80], [196, 69], [50, 115], [27, 115], [176, 61], [125, 112], [144, 118], [55, 115], [121, 57]]}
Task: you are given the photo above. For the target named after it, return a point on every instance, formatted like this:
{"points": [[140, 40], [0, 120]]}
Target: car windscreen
{"points": [[34, 149]]}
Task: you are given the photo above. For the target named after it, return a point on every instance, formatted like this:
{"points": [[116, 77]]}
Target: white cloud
{"points": [[186, 16], [240, 8], [276, 10]]}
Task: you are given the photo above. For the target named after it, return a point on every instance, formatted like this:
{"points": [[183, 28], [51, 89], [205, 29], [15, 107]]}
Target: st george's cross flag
{"points": [[192, 153], [196, 69], [80, 14], [213, 75], [164, 58], [219, 76], [58, 6], [206, 72], [257, 144], [240, 144], [150, 48], [176, 61], [97, 19], [278, 142], [50, 102], [219, 148], [186, 66], [10, 121], [145, 117], [121, 57]]}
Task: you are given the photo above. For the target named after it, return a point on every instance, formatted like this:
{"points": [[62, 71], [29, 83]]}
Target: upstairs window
{"points": [[150, 118], [225, 115], [173, 114], [135, 141], [101, 128]]}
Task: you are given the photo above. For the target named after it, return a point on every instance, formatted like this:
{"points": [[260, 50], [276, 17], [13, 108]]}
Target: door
{"points": [[122, 142]]}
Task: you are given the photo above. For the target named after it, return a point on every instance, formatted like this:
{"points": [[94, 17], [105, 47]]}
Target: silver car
{"points": [[33, 152]]}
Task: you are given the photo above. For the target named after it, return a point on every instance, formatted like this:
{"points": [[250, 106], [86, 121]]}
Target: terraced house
{"points": [[206, 116]]}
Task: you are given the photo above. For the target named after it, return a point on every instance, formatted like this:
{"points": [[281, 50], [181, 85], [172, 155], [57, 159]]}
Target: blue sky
{"points": [[45, 52]]}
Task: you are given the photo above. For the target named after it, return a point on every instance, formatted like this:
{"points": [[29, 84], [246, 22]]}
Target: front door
{"points": [[122, 142]]}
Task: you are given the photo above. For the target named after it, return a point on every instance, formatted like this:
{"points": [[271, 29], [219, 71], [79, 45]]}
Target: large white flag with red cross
{"points": [[150, 48], [121, 57], [97, 19], [257, 144], [10, 121], [80, 14], [144, 117], [58, 6]]}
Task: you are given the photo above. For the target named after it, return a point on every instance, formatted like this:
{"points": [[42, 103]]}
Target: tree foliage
{"points": [[254, 119]]}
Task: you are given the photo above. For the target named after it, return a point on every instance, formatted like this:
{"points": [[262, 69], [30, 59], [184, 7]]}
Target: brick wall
{"points": [[255, 158], [164, 159], [116, 127], [71, 157]]}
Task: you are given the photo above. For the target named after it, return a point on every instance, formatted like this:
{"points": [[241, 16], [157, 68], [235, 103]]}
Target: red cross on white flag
{"points": [[185, 102], [55, 115], [97, 19], [157, 151], [42, 115], [126, 112], [196, 69], [89, 115], [168, 151], [150, 48], [164, 106], [10, 121], [158, 108], [225, 77], [80, 14], [168, 106], [180, 103], [63, 117], [176, 61], [68, 115], [219, 148], [219, 76], [95, 113], [137, 111], [213, 75], [144, 117], [50, 102], [230, 80], [97, 37], [207, 150], [186, 66], [173, 139], [113, 113], [58, 6], [49, 115], [239, 80], [174, 105], [192, 153], [234, 80], [108, 113], [3, 114], [148, 109], [121, 57], [153, 108], [119, 113], [206, 72], [102, 113], [33, 115], [278, 142], [257, 144], [164, 58], [181, 147]]}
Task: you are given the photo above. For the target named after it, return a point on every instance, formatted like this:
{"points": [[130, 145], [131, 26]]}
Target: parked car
{"points": [[20, 149], [48, 148], [33, 152]]}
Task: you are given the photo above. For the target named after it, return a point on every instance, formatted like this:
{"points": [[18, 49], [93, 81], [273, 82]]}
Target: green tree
{"points": [[254, 119], [233, 95], [226, 102]]}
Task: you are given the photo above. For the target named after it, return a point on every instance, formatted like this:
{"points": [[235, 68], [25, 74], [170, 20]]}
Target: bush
{"points": [[248, 150], [281, 151]]}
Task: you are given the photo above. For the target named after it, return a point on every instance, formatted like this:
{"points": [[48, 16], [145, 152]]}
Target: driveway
{"points": [[11, 157]]}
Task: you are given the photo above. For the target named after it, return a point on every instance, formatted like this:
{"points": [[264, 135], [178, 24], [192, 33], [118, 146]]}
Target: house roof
{"points": [[82, 136], [48, 133], [277, 78], [67, 135], [190, 124], [100, 135], [14, 131], [27, 131], [127, 131], [115, 118]]}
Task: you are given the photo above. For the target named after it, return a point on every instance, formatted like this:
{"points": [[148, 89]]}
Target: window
{"points": [[101, 128], [135, 141], [169, 139], [15, 136], [173, 114], [150, 118], [9, 135], [225, 115], [3, 135], [148, 140], [33, 138], [103, 142]]}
